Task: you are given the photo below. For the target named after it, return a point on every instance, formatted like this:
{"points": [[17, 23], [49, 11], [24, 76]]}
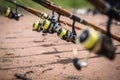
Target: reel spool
{"points": [[65, 35], [94, 41], [62, 33], [37, 26], [8, 12], [44, 16], [47, 26], [90, 39]]}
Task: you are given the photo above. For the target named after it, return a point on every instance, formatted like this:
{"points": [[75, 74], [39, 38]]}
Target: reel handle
{"points": [[79, 64], [76, 63]]}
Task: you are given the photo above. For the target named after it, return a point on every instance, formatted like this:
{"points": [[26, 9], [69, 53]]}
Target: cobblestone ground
{"points": [[23, 51]]}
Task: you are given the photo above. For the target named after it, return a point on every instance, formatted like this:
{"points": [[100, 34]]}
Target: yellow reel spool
{"points": [[36, 25], [46, 24], [63, 32], [8, 11], [90, 39], [45, 16]]}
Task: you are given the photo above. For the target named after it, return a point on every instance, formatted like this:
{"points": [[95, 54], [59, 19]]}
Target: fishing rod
{"points": [[75, 18], [38, 13]]}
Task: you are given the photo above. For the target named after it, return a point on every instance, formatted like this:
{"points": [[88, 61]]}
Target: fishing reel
{"points": [[91, 40], [65, 35], [95, 42], [8, 12], [55, 27], [47, 27], [11, 14]]}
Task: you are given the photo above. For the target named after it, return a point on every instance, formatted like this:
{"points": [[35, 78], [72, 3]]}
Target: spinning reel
{"points": [[91, 40], [13, 14], [52, 25], [47, 27], [96, 42]]}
